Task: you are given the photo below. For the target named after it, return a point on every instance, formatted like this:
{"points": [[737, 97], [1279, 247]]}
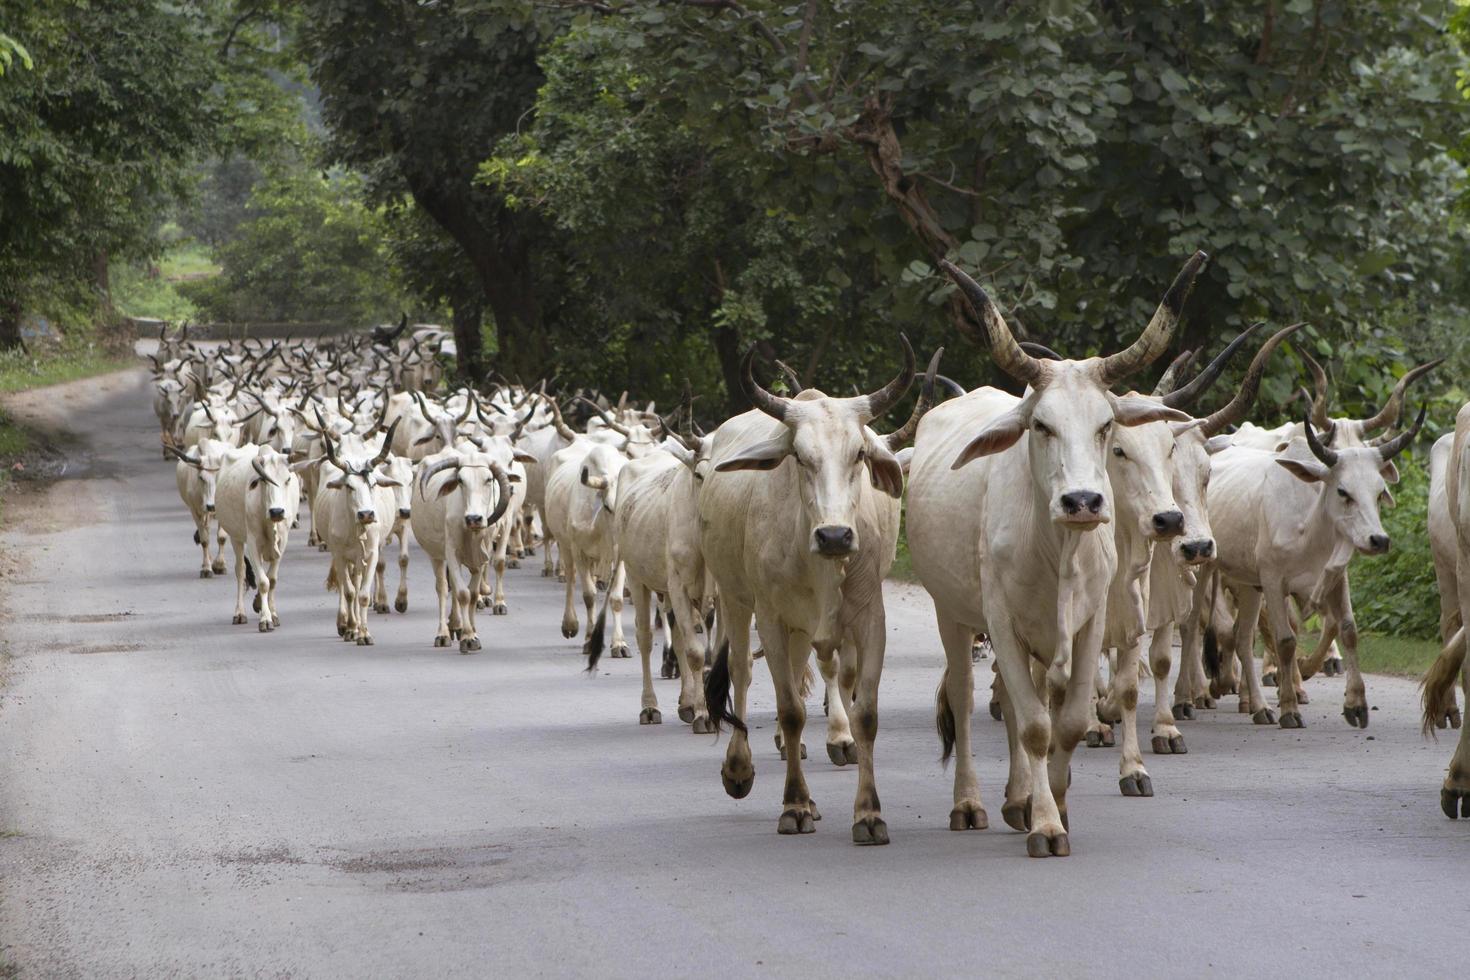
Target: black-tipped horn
{"points": [[1185, 397], [1004, 350], [1401, 441], [1320, 385], [1234, 411], [1169, 380], [503, 503], [432, 470], [880, 401], [255, 465], [1040, 350], [1327, 456], [607, 419], [905, 433], [1155, 337], [1394, 407], [773, 405], [387, 444]]}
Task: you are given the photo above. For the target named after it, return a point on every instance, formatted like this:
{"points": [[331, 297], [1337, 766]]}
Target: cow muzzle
{"points": [[1167, 524], [834, 541], [209, 508], [1378, 544], [366, 517], [277, 513], [474, 520], [403, 513], [1082, 507], [1195, 552]]}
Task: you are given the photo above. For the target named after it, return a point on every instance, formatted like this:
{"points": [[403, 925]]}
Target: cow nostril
{"points": [[403, 512], [833, 539], [366, 516], [1078, 500], [209, 508], [1169, 523], [278, 513], [1379, 542]]}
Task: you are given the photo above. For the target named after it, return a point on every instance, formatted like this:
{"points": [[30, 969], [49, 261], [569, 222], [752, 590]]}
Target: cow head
{"points": [[833, 451], [1140, 474], [206, 459], [1068, 415], [479, 479], [600, 468], [397, 472], [272, 480], [357, 478], [1354, 484]]}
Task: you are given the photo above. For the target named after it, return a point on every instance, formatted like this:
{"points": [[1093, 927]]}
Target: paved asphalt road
{"points": [[180, 797]]}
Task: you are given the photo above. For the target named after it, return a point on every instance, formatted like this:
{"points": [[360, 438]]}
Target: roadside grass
{"points": [[1394, 655], [20, 371], [149, 290]]}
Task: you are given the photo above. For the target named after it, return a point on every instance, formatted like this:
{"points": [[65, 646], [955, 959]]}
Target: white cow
{"points": [[581, 498], [258, 498], [1452, 489], [197, 476], [351, 514], [1005, 495]]}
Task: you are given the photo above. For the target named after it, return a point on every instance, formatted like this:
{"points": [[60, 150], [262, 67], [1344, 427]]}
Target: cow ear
{"points": [[1389, 472], [513, 477], [762, 456], [426, 439], [521, 456], [1385, 499], [337, 484], [905, 457], [998, 436], [449, 487], [1306, 470], [1136, 410], [884, 469], [387, 481], [1216, 443], [1179, 428]]}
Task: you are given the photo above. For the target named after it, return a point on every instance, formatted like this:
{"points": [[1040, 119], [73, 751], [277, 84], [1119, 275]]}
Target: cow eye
{"points": [[1106, 428], [1118, 452], [1043, 428], [1344, 495], [862, 454]]}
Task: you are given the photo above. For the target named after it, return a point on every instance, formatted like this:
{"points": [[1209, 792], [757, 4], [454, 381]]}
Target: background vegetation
{"points": [[635, 192]]}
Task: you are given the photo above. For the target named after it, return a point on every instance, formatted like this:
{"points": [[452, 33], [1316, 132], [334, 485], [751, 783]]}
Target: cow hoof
{"points": [[1301, 698], [1136, 784], [842, 753], [1094, 739], [265, 626], [737, 787], [1292, 719], [365, 640], [1453, 800], [1161, 745], [686, 713], [255, 606], [500, 609], [400, 605], [870, 831], [1453, 717], [528, 553], [794, 821], [1332, 668], [783, 751], [570, 634], [238, 619], [1177, 746], [275, 621], [701, 725], [1356, 715], [547, 573], [381, 608], [620, 652], [218, 568], [1017, 815], [1183, 711], [650, 716], [1038, 845], [666, 672], [205, 573], [1268, 679], [996, 712], [968, 815], [1219, 688], [512, 563], [469, 644], [1205, 702], [1264, 717]]}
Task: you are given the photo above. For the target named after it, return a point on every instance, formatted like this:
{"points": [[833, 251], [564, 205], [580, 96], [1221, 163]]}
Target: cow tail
{"points": [[717, 691], [1438, 684], [250, 575], [331, 582], [1212, 643], [592, 649], [944, 719], [808, 681]]}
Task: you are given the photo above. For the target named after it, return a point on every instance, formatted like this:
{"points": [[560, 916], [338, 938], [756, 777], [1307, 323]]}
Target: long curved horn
{"points": [[1186, 396], [773, 405], [792, 378], [469, 406], [617, 427], [562, 429], [331, 452], [1169, 380], [418, 396], [905, 433], [882, 400], [521, 425], [1400, 442], [383, 412], [255, 465], [1004, 350], [1394, 407], [1234, 411], [387, 444], [184, 457], [1155, 337], [503, 504], [1327, 456], [951, 385], [1320, 385], [1040, 350], [433, 470]]}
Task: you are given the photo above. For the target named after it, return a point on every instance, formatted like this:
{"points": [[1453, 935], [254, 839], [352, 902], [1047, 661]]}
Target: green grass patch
{"points": [[1377, 654], [190, 261], [20, 371]]}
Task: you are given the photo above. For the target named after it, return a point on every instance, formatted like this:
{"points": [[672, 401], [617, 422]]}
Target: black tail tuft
{"points": [[592, 649], [250, 575], [944, 720], [717, 691], [1212, 653], [196, 536]]}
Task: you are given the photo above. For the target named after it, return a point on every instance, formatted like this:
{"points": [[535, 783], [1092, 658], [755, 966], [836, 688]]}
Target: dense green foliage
{"points": [[306, 250], [1396, 593]]}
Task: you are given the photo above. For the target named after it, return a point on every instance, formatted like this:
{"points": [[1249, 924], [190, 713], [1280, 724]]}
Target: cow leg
{"points": [[1099, 732], [497, 599], [469, 637], [239, 549], [270, 597], [548, 567], [441, 590], [954, 708], [648, 713], [339, 574], [738, 770], [218, 566], [451, 578], [1339, 603], [841, 748], [682, 617], [1167, 739], [1253, 701], [380, 585], [869, 637], [201, 534], [1133, 777], [1033, 727], [1069, 721], [786, 654], [569, 614], [1454, 796], [1278, 617], [1190, 689], [262, 584], [619, 646], [400, 602], [1326, 647]]}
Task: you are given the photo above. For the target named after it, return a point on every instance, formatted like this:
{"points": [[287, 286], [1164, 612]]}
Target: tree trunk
{"points": [[10, 324], [469, 312]]}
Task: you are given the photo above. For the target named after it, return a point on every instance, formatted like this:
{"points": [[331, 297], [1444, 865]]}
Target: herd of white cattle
{"points": [[788, 515]]}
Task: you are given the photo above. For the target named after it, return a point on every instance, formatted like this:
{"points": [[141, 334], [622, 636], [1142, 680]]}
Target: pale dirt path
{"points": [[179, 797]]}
